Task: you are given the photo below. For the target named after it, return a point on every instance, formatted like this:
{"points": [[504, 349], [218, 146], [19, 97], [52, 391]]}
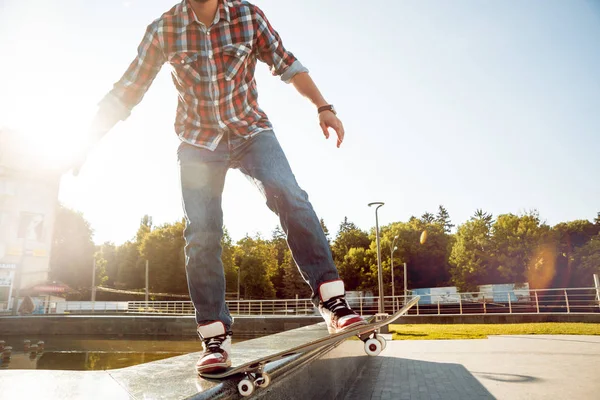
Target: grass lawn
{"points": [[481, 331]]}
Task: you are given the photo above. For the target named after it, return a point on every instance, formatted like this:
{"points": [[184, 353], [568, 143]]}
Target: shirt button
{"points": [[216, 103], [210, 54]]}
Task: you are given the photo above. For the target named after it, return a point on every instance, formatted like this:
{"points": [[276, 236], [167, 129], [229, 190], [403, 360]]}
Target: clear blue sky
{"points": [[469, 104]]}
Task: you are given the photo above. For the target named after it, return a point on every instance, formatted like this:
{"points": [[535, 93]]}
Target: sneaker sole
{"points": [[347, 327], [213, 367]]}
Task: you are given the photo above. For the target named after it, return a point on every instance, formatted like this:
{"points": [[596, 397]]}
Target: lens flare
{"points": [[542, 267], [423, 237]]}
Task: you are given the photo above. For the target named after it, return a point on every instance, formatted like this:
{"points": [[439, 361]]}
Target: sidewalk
{"points": [[501, 367]]}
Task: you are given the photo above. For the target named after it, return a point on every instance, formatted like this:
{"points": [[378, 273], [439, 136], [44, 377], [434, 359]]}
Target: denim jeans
{"points": [[202, 174]]}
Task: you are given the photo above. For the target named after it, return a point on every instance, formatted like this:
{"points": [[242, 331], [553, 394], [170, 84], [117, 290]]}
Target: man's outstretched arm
{"points": [[284, 64], [327, 119], [125, 95]]}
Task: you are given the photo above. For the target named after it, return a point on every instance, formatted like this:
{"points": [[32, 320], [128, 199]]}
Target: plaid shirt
{"points": [[212, 69]]}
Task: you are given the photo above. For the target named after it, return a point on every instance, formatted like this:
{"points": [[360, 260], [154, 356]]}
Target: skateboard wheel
{"points": [[373, 347], [246, 387], [382, 341], [263, 381]]}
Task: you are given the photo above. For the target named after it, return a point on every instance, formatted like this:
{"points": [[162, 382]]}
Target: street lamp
{"points": [[393, 248], [379, 273]]}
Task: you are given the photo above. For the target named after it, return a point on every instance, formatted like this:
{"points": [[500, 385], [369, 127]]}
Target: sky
{"points": [[468, 104]]}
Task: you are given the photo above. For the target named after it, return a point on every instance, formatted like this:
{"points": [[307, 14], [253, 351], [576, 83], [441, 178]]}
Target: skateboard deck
{"points": [[254, 369]]}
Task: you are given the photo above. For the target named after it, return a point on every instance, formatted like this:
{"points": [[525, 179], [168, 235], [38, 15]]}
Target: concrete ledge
{"points": [[124, 325], [498, 318], [176, 378]]}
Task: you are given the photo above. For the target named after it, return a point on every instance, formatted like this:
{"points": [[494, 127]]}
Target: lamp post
{"points": [[379, 273], [405, 286], [393, 248]]}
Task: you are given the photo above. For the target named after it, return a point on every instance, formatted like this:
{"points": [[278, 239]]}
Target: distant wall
{"points": [[142, 325]]}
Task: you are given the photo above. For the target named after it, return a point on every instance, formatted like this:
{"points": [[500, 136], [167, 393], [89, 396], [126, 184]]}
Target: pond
{"points": [[77, 353]]}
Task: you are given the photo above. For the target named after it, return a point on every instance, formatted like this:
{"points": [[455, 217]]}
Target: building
{"points": [[28, 203]]}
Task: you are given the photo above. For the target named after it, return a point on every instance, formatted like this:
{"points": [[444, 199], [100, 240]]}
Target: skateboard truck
{"points": [[253, 379]]}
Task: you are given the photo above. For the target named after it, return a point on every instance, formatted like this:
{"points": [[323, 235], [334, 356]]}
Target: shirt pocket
{"points": [[234, 57], [186, 67]]}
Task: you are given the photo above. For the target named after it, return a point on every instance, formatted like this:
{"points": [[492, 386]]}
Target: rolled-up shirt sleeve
{"points": [[271, 51], [135, 82]]}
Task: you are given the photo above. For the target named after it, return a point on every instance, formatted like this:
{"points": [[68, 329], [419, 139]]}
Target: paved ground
{"points": [[501, 367]]}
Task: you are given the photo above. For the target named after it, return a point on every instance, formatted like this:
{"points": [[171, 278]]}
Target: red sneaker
{"points": [[217, 348], [335, 310]]}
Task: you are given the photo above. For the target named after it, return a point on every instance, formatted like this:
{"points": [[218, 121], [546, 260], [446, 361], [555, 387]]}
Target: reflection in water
{"points": [[95, 353]]}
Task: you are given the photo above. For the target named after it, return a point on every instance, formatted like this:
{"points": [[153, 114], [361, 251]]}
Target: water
{"points": [[76, 353]]}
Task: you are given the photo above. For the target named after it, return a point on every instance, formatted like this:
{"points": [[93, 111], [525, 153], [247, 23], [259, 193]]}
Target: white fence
{"points": [[577, 300]]}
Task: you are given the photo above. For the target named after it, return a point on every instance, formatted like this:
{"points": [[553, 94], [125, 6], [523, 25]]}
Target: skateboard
{"points": [[253, 371]]}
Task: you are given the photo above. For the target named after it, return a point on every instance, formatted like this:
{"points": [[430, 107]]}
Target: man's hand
{"points": [[327, 120]]}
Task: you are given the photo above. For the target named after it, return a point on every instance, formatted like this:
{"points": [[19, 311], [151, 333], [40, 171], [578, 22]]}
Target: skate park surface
{"points": [[500, 367]]}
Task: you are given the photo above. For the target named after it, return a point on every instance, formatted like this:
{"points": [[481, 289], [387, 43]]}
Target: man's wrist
{"points": [[326, 107]]}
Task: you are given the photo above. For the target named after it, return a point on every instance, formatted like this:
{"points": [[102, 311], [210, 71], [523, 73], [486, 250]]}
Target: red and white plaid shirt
{"points": [[212, 68]]}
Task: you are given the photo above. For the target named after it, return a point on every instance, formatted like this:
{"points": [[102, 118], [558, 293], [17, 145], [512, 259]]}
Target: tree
{"points": [[163, 247], [258, 264], [470, 255], [586, 263], [107, 254], [569, 237], [427, 263], [349, 255], [443, 219], [484, 216], [131, 273], [294, 283], [520, 248], [349, 236], [325, 231], [280, 248], [354, 269], [144, 229], [228, 260], [428, 218], [73, 250]]}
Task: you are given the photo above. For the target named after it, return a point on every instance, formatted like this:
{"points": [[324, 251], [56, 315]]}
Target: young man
{"points": [[213, 47]]}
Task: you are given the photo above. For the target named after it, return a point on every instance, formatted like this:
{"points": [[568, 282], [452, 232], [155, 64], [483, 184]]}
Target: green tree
{"points": [[101, 277], [280, 248], [131, 272], [520, 248], [428, 218], [294, 283], [349, 255], [144, 229], [163, 247], [348, 237], [570, 236], [107, 253], [354, 269], [257, 261], [443, 219], [427, 262], [228, 259], [72, 253], [325, 231], [586, 260], [470, 255]]}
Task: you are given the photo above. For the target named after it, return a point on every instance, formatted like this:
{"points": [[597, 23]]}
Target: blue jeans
{"points": [[202, 174]]}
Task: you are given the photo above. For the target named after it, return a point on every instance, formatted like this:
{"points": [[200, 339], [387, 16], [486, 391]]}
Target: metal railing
{"points": [[575, 300]]}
